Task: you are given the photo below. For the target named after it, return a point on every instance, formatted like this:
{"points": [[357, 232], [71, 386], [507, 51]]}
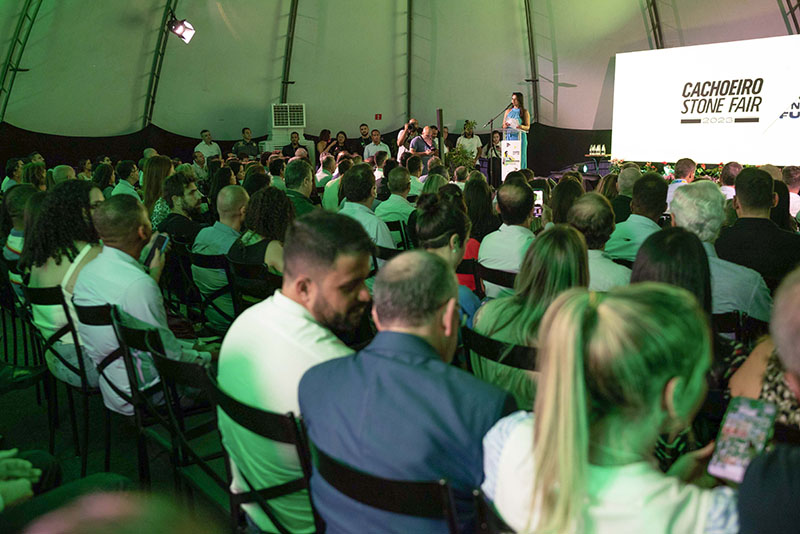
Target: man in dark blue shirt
{"points": [[398, 409]]}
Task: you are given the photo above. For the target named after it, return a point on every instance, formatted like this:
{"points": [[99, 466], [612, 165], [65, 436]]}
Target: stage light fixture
{"points": [[182, 28]]}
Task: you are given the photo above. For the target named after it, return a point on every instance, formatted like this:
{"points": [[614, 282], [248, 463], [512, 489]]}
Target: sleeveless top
{"points": [[49, 319], [246, 251]]}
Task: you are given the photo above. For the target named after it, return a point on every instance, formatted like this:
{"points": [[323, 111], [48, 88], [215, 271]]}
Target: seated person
{"points": [[217, 240], [583, 460], [299, 178], [358, 191], [592, 215], [116, 278], [183, 199], [425, 416], [396, 207], [768, 493], [13, 227], [648, 204], [555, 262], [63, 241], [271, 344], [269, 214]]}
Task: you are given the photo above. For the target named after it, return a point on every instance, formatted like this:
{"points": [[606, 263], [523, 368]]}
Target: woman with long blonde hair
{"points": [[617, 369], [555, 261]]}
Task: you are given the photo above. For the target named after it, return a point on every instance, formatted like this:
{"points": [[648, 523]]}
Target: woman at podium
{"points": [[518, 118]]}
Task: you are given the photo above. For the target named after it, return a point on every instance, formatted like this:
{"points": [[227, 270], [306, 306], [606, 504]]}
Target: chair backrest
{"points": [[213, 262], [495, 276], [251, 283], [517, 356], [489, 521], [54, 296], [469, 267], [400, 227], [385, 253], [177, 277], [745, 329], [433, 499]]}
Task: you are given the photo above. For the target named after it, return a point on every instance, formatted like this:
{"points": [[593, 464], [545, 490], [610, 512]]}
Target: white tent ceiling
{"points": [[89, 61]]}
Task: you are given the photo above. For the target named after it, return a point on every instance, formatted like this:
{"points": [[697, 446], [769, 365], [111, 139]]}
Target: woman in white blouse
{"points": [[616, 371]]}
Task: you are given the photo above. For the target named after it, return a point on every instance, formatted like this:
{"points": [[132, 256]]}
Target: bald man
{"points": [[231, 205], [62, 173]]}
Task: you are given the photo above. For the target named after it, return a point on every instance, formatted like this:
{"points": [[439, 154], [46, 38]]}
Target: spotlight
{"points": [[181, 28]]}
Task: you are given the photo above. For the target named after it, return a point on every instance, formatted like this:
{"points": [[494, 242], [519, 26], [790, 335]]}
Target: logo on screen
{"points": [[793, 113], [722, 101]]}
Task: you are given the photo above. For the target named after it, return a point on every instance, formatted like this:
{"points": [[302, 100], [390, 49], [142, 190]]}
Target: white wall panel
{"points": [[88, 62]]}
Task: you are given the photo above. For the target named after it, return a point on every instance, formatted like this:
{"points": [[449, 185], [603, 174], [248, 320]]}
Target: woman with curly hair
{"points": [[105, 179], [36, 175], [155, 171], [269, 214], [62, 241]]}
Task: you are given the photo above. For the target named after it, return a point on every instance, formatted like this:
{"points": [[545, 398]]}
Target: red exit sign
{"points": [[378, 116]]}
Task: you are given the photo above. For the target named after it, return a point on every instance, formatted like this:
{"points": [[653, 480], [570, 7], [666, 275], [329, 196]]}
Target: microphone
{"points": [[510, 105]]}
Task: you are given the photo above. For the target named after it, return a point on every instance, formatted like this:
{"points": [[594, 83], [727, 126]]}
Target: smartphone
{"points": [[538, 202], [160, 243], [745, 430]]}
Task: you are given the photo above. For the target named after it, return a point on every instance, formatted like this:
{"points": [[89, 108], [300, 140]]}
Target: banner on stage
{"points": [[712, 103]]}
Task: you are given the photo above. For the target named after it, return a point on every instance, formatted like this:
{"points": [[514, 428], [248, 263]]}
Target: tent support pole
{"points": [[158, 61], [409, 40], [287, 56], [790, 12], [532, 55], [15, 51], [655, 23]]}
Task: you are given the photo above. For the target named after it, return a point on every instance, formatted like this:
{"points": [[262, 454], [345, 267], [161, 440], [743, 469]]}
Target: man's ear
{"points": [[735, 203], [376, 319], [672, 219], [774, 199], [450, 317], [142, 233], [669, 397], [793, 382], [304, 288]]}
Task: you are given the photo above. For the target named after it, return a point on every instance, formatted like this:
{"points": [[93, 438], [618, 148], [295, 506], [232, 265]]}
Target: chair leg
{"points": [[52, 411], [84, 445], [14, 334], [72, 421], [144, 461], [107, 464]]}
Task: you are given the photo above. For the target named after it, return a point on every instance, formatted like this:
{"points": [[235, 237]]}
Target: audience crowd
{"points": [[388, 259]]}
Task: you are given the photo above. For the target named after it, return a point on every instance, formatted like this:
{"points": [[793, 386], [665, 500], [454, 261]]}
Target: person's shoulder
{"points": [[319, 375]]}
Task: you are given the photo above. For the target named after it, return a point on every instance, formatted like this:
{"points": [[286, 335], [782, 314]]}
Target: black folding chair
{"points": [[489, 521], [744, 328], [54, 296], [251, 283], [382, 253], [517, 356], [500, 278], [283, 428], [430, 499], [400, 228], [212, 262], [469, 267], [197, 450], [178, 284]]}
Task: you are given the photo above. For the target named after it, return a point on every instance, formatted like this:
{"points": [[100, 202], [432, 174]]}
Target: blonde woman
{"points": [[556, 261], [617, 369]]}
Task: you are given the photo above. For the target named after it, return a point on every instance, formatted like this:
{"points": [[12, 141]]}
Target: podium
{"points": [[511, 147]]}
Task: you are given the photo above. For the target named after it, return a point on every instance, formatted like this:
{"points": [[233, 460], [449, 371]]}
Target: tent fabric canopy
{"points": [[89, 61]]}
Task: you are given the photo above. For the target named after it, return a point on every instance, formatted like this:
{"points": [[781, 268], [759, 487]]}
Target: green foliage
{"points": [[457, 157]]}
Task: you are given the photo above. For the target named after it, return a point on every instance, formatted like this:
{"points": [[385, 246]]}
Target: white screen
{"points": [[737, 101]]}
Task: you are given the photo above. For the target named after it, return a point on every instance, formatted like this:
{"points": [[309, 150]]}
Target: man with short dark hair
{"points": [[591, 214], [115, 277], [183, 199], [270, 346], [505, 248], [364, 140], [754, 240], [791, 177], [398, 409], [127, 178], [215, 240], [330, 197], [727, 179], [622, 202], [13, 174], [375, 146], [246, 145], [299, 178], [648, 204], [396, 207], [684, 174], [290, 150], [326, 168], [414, 166], [358, 191], [36, 157], [380, 159], [207, 146], [277, 167], [199, 165], [460, 176]]}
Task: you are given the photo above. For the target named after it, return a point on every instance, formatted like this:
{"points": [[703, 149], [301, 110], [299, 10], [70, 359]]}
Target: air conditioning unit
{"points": [[285, 119]]}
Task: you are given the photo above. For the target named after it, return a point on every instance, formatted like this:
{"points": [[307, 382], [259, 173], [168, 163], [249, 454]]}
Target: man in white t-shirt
{"points": [[592, 215], [727, 179], [272, 344], [470, 142], [207, 146], [684, 174]]}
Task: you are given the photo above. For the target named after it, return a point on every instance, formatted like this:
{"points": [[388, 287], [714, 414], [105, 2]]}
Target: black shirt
{"points": [[180, 228], [769, 493], [622, 208], [250, 148], [289, 150], [759, 244]]}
